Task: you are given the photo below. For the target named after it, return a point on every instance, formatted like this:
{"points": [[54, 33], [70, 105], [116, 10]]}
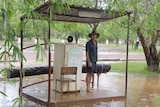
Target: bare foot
{"points": [[89, 91], [92, 89]]}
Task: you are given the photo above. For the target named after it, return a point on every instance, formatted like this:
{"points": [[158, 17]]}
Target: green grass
{"points": [[122, 48], [134, 67]]}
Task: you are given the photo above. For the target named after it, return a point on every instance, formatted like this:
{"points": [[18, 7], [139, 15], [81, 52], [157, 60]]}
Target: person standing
{"points": [[137, 42], [91, 59]]}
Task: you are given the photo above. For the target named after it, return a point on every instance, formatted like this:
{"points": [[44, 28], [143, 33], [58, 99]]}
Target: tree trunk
{"points": [[150, 51], [153, 63]]}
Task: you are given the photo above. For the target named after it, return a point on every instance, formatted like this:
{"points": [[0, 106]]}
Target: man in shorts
{"points": [[91, 59]]}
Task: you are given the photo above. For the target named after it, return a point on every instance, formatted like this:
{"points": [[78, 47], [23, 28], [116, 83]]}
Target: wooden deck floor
{"points": [[38, 93]]}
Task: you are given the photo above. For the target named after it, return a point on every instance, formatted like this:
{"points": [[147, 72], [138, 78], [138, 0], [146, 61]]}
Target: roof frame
{"points": [[77, 14]]}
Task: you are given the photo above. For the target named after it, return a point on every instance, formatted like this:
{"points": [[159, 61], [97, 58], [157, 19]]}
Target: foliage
{"points": [[9, 49], [10, 24], [40, 52], [3, 93], [132, 67], [84, 3]]}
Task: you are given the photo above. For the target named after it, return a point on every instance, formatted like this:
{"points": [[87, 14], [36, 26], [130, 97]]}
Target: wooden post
{"points": [[49, 61], [126, 84]]}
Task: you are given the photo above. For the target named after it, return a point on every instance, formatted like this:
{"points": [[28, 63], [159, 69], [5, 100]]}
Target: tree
{"points": [[145, 22], [9, 48], [148, 30]]}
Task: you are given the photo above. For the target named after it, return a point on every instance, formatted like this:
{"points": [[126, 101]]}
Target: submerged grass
{"points": [[133, 67]]}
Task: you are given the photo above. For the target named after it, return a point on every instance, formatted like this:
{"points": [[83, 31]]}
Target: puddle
{"points": [[143, 90]]}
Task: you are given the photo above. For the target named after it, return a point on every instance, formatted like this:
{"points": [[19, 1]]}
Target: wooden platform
{"points": [[38, 93]]}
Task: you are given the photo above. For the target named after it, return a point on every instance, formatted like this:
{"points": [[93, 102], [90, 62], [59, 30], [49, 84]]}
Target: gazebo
{"points": [[75, 14]]}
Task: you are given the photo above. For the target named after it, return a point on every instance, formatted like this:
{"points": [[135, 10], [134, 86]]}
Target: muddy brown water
{"points": [[143, 90]]}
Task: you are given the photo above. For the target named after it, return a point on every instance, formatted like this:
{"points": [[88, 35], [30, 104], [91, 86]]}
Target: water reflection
{"points": [[150, 95], [110, 104], [143, 90]]}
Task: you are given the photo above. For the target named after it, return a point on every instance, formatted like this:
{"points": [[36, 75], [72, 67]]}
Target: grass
{"points": [[133, 67], [122, 48]]}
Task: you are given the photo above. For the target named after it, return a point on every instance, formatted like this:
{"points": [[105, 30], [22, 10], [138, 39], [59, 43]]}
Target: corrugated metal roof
{"points": [[77, 14]]}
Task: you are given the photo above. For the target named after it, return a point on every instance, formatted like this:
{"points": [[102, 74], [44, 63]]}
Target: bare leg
{"points": [[88, 81], [88, 78], [92, 77]]}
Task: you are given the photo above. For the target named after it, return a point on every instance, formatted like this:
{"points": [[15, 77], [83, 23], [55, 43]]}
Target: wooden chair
{"points": [[63, 79]]}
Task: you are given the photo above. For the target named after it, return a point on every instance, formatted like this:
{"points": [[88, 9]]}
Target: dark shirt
{"points": [[92, 50]]}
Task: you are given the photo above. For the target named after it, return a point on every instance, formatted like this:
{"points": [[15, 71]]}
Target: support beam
{"points": [[21, 69], [126, 84]]}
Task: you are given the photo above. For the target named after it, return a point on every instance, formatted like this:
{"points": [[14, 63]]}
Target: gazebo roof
{"points": [[77, 14]]}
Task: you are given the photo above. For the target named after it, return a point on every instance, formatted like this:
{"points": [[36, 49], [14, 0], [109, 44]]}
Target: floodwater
{"points": [[143, 90]]}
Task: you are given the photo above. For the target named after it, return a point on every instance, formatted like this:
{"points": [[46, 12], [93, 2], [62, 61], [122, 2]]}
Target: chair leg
{"points": [[61, 89], [68, 87], [76, 87], [55, 87]]}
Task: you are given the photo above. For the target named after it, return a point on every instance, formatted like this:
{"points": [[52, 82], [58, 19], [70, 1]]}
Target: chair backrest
{"points": [[68, 70]]}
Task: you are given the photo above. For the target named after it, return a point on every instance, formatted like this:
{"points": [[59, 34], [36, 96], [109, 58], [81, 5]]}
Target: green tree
{"points": [[145, 23], [10, 28]]}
